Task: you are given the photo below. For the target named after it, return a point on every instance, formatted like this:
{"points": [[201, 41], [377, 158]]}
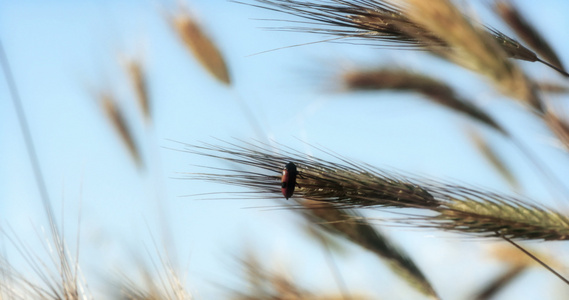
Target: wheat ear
{"points": [[348, 184]]}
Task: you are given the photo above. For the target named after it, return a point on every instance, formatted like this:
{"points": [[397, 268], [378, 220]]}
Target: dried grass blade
{"points": [[200, 45], [351, 185], [521, 26], [341, 222], [65, 283], [491, 155], [472, 47], [404, 80], [118, 121]]}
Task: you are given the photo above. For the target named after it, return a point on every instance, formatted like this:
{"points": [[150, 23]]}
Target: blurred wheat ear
{"points": [[137, 75], [341, 222], [267, 284], [515, 263], [552, 87], [159, 281], [200, 44], [116, 117], [398, 79]]}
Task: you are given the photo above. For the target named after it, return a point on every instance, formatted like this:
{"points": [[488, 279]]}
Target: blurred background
{"points": [[121, 211]]}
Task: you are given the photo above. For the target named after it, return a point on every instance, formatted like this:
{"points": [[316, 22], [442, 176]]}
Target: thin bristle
{"points": [[200, 45], [404, 80], [265, 283], [352, 185], [159, 281]]}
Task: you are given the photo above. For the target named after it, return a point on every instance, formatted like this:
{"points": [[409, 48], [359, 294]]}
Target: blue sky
{"points": [[62, 51]]}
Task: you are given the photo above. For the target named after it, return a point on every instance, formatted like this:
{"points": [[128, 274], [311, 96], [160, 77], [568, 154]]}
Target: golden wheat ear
{"points": [[200, 45], [137, 76], [399, 79], [117, 118]]}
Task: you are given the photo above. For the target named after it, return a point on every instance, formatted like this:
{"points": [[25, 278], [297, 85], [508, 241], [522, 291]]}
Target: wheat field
{"points": [[143, 145]]}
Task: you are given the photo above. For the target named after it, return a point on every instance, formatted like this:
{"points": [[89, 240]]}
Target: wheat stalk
{"points": [[267, 284], [65, 283]]}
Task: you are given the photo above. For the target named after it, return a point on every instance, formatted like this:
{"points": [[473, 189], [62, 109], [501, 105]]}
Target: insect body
{"points": [[289, 180]]}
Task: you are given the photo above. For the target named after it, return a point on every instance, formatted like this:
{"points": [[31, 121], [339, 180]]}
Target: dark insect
{"points": [[289, 180]]}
